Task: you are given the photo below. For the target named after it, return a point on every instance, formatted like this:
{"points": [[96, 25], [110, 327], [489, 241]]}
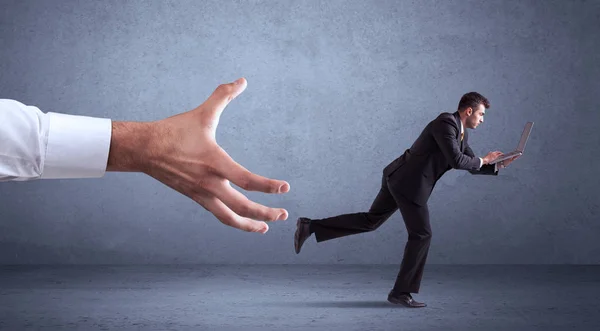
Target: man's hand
{"points": [[181, 152], [505, 163], [491, 156]]}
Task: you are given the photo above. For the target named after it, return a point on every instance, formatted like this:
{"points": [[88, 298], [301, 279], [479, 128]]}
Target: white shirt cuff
{"points": [[480, 163], [77, 147]]}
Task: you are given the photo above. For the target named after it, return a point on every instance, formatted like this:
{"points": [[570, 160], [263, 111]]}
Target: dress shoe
{"points": [[404, 299], [302, 232]]}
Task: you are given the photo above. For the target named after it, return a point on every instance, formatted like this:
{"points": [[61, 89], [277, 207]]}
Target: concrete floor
{"points": [[295, 297]]}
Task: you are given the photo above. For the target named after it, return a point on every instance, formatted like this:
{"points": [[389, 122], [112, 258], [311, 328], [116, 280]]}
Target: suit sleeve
{"points": [[445, 133], [486, 169]]}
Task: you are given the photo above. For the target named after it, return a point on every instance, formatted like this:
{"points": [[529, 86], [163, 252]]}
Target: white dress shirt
{"points": [[35, 145]]}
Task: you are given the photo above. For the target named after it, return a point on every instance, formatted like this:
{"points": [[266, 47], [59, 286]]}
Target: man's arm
{"points": [[23, 137], [486, 169], [37, 145], [445, 132], [179, 151]]}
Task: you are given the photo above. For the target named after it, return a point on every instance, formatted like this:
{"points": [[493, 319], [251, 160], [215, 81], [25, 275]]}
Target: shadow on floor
{"points": [[338, 304]]}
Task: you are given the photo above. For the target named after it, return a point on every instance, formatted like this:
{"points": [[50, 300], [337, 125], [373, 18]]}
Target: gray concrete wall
{"points": [[336, 90]]}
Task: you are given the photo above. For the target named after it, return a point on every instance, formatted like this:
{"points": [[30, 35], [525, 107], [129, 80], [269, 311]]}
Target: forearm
{"points": [[130, 145], [486, 169]]}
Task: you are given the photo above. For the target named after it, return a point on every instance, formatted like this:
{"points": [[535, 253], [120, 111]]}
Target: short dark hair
{"points": [[473, 100]]}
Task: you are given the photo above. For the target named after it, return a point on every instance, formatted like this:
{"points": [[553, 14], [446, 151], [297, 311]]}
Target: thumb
{"points": [[223, 94]]}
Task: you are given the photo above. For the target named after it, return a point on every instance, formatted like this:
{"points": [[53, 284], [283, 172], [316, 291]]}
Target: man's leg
{"points": [[416, 219], [381, 209]]}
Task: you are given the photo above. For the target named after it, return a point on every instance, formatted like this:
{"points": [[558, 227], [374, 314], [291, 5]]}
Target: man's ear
{"points": [[469, 111]]}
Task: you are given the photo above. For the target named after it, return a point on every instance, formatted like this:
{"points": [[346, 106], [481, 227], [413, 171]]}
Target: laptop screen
{"points": [[524, 136]]}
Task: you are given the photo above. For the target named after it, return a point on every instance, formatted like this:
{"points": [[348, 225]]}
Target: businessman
{"points": [[407, 184]]}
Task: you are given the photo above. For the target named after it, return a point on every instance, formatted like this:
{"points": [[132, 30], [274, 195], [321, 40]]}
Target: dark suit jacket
{"points": [[437, 150]]}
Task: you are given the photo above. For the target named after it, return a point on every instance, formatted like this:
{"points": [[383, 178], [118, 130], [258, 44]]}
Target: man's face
{"points": [[475, 116]]}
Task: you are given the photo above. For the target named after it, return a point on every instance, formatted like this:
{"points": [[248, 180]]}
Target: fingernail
{"points": [[284, 188], [282, 217]]}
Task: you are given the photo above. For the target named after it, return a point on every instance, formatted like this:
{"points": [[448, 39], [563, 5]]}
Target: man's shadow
{"points": [[341, 304]]}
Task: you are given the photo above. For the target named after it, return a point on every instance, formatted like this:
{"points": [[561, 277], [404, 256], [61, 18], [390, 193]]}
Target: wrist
{"points": [[129, 146]]}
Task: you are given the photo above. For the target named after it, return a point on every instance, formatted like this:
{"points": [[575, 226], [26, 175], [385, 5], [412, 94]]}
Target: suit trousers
{"points": [[416, 220]]}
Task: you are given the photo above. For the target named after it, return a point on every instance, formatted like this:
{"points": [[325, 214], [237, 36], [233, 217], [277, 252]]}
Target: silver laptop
{"points": [[520, 148]]}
